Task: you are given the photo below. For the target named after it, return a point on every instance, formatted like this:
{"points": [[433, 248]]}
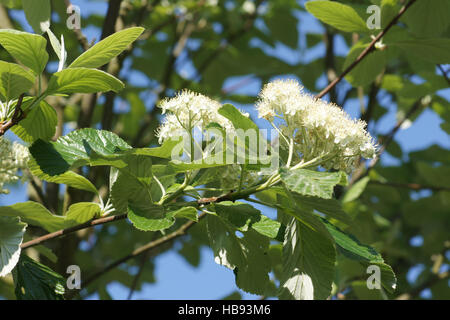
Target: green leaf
{"points": [[34, 214], [46, 252], [185, 212], [34, 281], [356, 190], [68, 178], [351, 248], [127, 188], [56, 45], [81, 212], [37, 14], [27, 48], [433, 50], [312, 183], [246, 256], [164, 151], [438, 176], [239, 120], [362, 292], [244, 217], [389, 9], [101, 53], [282, 24], [139, 167], [82, 80], [78, 148], [428, 18], [131, 191], [367, 69], [338, 15], [146, 216], [134, 116], [331, 207], [149, 217], [14, 80], [11, 237], [40, 123], [246, 131], [308, 263]]}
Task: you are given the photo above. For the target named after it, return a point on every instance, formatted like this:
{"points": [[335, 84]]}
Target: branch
{"points": [[39, 191], [366, 51], [16, 118], [444, 73], [78, 33], [141, 250], [330, 67], [87, 112], [248, 24], [388, 139], [64, 232], [200, 202], [137, 277], [5, 20], [367, 115], [385, 142]]}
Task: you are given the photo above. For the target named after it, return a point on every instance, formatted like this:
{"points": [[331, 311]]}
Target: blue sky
{"points": [[176, 279]]}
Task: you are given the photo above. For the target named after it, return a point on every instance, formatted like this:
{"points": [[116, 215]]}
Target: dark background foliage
{"points": [[223, 50]]}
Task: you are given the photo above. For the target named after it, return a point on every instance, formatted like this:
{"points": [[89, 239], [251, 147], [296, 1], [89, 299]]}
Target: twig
{"points": [[87, 112], [245, 81], [79, 34], [137, 276], [141, 250], [330, 67], [15, 119], [367, 115], [444, 73], [388, 139], [386, 142], [248, 24], [203, 201], [63, 232], [366, 51], [39, 192]]}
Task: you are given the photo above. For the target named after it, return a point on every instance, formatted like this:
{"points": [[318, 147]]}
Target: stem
{"points": [[63, 232], [163, 191], [241, 180], [366, 51], [291, 152]]}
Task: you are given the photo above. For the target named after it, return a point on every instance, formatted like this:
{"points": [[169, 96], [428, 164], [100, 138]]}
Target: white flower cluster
{"points": [[13, 157], [320, 129], [189, 110]]}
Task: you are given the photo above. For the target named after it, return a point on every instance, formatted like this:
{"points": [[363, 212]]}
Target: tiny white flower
{"points": [[187, 111], [319, 128], [13, 157]]}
